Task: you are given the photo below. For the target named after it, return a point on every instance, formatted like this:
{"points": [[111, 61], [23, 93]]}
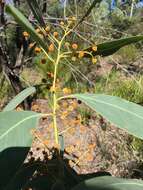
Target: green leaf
{"points": [[19, 98], [41, 183], [22, 176], [11, 160], [124, 114], [15, 128], [108, 48], [23, 21], [36, 11], [109, 183]]}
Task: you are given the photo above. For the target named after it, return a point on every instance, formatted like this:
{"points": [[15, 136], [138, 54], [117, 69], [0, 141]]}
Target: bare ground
{"points": [[91, 147]]}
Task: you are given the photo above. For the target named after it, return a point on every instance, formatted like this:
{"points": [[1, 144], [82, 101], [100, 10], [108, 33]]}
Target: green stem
{"points": [[54, 87], [55, 99]]}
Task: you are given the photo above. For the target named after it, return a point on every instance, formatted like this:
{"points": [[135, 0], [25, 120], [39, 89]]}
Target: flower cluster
{"points": [[53, 35], [64, 112]]}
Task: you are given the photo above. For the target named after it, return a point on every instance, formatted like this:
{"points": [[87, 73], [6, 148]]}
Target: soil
{"points": [[91, 144]]}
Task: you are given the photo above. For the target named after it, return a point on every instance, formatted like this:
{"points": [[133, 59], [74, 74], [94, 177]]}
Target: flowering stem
{"points": [[59, 56], [55, 98]]}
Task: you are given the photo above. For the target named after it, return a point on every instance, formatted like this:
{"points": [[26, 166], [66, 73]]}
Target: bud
{"points": [[25, 34], [94, 48], [62, 23], [43, 61], [74, 46], [66, 90], [47, 29], [73, 58], [37, 50], [51, 48], [38, 30], [81, 54], [55, 34], [94, 60]]}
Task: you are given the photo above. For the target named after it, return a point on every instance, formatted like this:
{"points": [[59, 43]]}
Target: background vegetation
{"points": [[120, 74]]}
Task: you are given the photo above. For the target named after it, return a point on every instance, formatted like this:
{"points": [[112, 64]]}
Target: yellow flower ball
{"points": [[38, 30], [25, 34], [37, 50], [62, 23], [74, 46], [94, 48], [66, 90], [81, 54], [55, 34], [51, 48], [47, 29], [94, 60]]}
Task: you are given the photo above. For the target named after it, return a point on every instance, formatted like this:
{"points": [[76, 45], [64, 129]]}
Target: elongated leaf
{"points": [[36, 11], [23, 21], [108, 48], [125, 115], [15, 128], [22, 176], [11, 160], [41, 183], [19, 98], [110, 183]]}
